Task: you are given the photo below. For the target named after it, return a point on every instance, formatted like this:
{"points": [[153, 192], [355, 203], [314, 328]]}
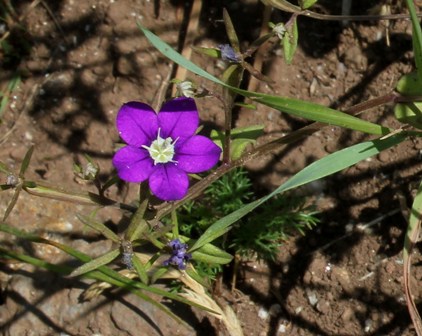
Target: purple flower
{"points": [[228, 54], [163, 148], [179, 257]]}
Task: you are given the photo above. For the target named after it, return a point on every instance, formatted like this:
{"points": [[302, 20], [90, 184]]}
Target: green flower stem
{"points": [[138, 225], [227, 133], [175, 224], [88, 198], [416, 37]]}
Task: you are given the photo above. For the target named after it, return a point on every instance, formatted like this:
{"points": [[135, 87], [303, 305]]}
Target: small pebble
{"points": [[263, 313], [368, 325], [312, 298], [282, 329]]}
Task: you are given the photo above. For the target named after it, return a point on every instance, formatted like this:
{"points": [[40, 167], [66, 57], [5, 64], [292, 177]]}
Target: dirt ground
{"points": [[88, 57]]}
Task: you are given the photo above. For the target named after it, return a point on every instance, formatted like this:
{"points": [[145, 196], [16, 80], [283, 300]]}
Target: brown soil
{"points": [[88, 57]]}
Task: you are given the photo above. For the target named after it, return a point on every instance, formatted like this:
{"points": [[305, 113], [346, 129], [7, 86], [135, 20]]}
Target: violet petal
{"points": [[178, 118], [168, 182], [133, 164], [137, 124], [197, 154]]}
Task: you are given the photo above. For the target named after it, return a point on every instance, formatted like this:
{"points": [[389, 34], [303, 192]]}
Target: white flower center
{"points": [[279, 30], [161, 150]]}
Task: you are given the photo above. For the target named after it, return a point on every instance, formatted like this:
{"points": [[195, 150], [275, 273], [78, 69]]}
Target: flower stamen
{"points": [[161, 150]]}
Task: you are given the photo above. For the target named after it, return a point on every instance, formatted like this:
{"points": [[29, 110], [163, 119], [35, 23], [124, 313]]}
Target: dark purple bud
{"points": [[179, 257], [228, 54]]}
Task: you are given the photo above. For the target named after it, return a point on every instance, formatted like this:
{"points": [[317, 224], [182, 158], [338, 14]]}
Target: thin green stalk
{"points": [[175, 223], [416, 36], [138, 225]]}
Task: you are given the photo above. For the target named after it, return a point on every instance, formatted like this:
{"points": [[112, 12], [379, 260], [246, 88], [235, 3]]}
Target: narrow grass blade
{"points": [[328, 165], [290, 42], [35, 261], [100, 227], [212, 254], [138, 224], [25, 162], [320, 113], [296, 107], [108, 275], [4, 97], [231, 32], [95, 263], [140, 269], [411, 238], [87, 198], [12, 202], [3, 168], [416, 37], [90, 275]]}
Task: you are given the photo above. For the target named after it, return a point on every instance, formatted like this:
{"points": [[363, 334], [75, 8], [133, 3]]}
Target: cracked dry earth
{"points": [[88, 57]]}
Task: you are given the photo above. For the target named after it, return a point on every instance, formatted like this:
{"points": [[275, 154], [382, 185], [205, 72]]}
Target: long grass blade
{"points": [[95, 263], [410, 241], [25, 162], [112, 276], [100, 227], [296, 107], [328, 165]]}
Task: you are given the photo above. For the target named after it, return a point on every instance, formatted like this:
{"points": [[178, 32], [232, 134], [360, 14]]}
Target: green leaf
{"points": [[158, 273], [231, 32], [3, 168], [410, 240], [320, 113], [172, 54], [211, 52], [212, 254], [89, 198], [138, 224], [95, 263], [25, 162], [195, 276], [416, 37], [233, 75], [241, 137], [290, 42], [338, 161], [410, 85], [409, 113], [328, 165], [223, 225], [12, 202], [305, 4], [246, 105], [4, 97], [35, 261], [140, 269], [100, 227], [288, 105]]}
